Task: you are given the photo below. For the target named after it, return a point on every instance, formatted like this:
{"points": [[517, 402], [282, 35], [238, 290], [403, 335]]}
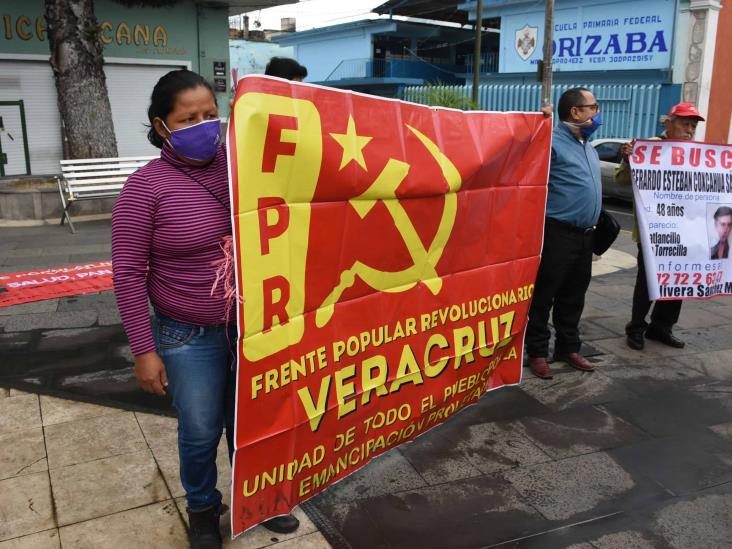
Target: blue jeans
{"points": [[200, 363]]}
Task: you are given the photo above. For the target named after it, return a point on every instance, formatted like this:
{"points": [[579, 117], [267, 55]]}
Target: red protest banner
{"points": [[50, 283], [386, 253]]}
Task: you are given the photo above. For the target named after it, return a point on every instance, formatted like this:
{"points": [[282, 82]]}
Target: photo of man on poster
{"points": [[723, 226]]}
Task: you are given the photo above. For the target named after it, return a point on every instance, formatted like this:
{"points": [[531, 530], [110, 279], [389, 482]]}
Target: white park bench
{"points": [[93, 178]]}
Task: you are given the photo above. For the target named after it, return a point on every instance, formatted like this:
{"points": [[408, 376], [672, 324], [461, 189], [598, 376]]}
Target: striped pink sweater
{"points": [[166, 231]]}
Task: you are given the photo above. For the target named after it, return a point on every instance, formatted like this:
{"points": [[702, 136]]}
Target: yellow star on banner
{"points": [[352, 144]]}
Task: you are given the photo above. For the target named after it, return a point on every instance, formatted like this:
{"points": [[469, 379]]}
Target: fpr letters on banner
{"points": [[386, 253]]}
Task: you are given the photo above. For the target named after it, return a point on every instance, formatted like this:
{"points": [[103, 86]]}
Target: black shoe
{"points": [[203, 529], [667, 338], [635, 341], [282, 525]]}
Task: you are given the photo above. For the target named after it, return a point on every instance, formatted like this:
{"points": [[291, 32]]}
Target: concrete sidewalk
{"points": [[79, 475], [636, 454]]}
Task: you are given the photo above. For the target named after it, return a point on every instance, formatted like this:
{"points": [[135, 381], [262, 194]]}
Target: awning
{"points": [[237, 7], [439, 10]]}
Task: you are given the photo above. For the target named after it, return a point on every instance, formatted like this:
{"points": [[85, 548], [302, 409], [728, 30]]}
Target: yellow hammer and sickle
{"points": [[424, 261]]}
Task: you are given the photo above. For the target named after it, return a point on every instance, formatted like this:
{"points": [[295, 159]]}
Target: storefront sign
{"points": [[386, 255], [613, 36], [683, 197], [23, 28], [142, 33], [120, 33]]}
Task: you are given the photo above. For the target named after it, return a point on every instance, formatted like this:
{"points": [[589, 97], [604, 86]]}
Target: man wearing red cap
{"points": [[679, 125]]}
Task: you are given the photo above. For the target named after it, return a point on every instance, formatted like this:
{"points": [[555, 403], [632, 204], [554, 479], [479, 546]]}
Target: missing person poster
{"points": [[386, 255], [683, 200]]}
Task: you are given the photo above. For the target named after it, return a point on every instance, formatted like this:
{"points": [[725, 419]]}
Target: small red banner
{"points": [[386, 253], [50, 283]]}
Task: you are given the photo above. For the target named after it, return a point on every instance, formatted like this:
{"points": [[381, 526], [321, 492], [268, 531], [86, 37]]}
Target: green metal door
{"points": [[14, 157]]}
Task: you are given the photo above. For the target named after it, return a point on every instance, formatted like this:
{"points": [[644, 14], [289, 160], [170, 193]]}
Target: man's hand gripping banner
{"points": [[386, 253]]}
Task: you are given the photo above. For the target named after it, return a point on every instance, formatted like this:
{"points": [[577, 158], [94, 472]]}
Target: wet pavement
{"points": [[636, 454], [72, 347]]}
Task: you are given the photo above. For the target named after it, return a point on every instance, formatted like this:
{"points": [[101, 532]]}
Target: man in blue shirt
{"points": [[572, 210]]}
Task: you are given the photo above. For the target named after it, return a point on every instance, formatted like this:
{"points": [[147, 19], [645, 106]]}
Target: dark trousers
{"points": [[665, 313], [565, 272]]}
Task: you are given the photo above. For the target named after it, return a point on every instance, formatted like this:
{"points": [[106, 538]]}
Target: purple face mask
{"points": [[197, 142]]}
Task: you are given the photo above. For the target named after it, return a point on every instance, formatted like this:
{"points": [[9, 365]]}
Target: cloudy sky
{"points": [[315, 13]]}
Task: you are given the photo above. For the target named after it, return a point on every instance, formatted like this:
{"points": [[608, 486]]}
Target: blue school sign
{"points": [[617, 36]]}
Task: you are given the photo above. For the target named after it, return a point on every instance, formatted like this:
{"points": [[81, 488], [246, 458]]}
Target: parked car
{"points": [[609, 152]]}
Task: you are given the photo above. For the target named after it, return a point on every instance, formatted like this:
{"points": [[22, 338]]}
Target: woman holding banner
{"points": [[170, 226]]}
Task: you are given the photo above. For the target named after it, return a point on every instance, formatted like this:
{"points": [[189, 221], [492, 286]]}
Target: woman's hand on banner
{"points": [[150, 373]]}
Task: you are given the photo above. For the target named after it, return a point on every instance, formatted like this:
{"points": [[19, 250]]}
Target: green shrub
{"points": [[438, 95]]}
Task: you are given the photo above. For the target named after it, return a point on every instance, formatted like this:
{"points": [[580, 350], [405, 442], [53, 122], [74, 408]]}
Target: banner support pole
{"points": [[546, 72], [478, 48]]}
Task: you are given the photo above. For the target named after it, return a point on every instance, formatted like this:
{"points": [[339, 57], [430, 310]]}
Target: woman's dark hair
{"points": [[164, 94], [284, 67], [571, 98]]}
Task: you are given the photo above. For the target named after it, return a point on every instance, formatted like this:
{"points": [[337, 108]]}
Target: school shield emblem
{"points": [[526, 39]]}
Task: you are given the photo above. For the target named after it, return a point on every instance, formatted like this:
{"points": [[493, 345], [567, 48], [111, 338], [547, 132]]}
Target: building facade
{"points": [[140, 45], [252, 56], [381, 56], [681, 45]]}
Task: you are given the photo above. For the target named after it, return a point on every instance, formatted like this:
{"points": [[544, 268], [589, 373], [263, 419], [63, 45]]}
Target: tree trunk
{"points": [[78, 67]]}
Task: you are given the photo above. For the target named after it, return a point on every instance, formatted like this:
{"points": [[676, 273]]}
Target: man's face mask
{"points": [[588, 127], [197, 142], [596, 122]]}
